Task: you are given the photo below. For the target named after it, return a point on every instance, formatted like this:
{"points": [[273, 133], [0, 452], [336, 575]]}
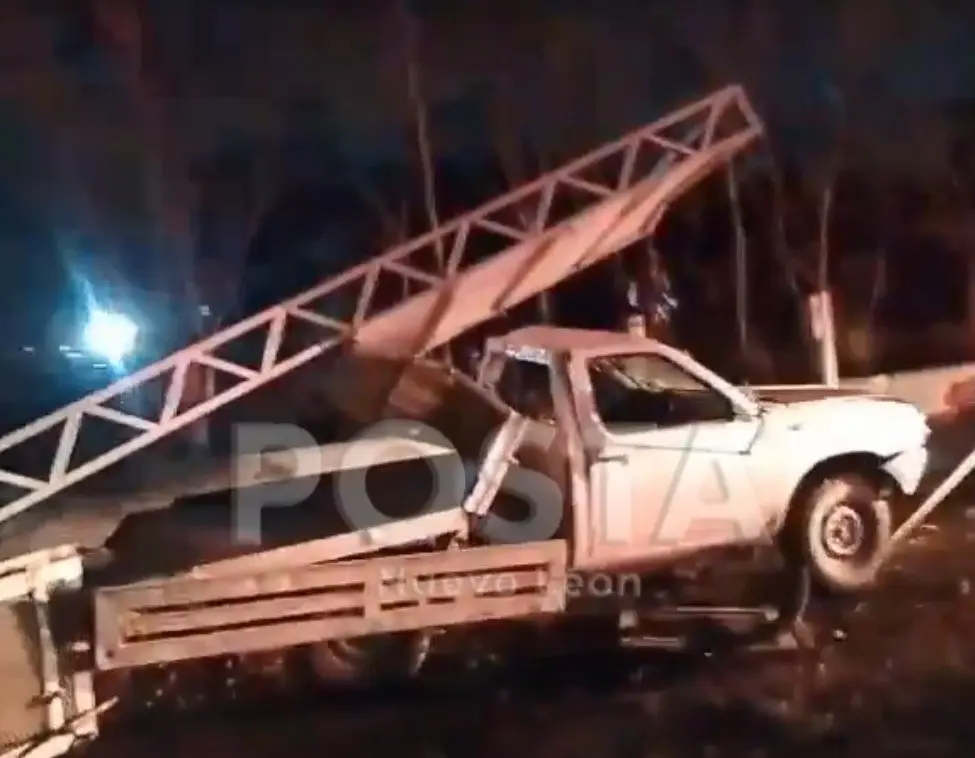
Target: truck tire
{"points": [[365, 661], [839, 528]]}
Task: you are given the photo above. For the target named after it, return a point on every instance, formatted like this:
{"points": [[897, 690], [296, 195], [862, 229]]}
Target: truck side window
{"points": [[527, 387], [647, 389]]}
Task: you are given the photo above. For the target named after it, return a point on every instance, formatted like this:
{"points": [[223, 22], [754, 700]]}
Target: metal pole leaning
{"points": [[932, 501]]}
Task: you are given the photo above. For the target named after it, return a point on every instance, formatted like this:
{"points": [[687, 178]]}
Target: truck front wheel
{"points": [[839, 528]]}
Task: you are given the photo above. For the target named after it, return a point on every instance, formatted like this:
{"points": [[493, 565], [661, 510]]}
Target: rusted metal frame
{"points": [[68, 694], [189, 618]]}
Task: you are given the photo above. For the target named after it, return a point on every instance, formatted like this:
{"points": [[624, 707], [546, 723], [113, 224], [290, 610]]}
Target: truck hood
{"points": [[810, 393], [885, 424]]}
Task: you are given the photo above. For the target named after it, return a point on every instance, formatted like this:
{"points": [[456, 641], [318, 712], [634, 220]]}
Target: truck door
{"points": [[532, 501], [669, 457]]}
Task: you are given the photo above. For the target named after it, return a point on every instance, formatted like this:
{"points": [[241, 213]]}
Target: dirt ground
{"points": [[889, 676]]}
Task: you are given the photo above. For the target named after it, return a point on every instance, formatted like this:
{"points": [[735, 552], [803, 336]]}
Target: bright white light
{"points": [[110, 335]]}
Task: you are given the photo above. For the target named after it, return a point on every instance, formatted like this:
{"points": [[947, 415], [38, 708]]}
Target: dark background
{"points": [[168, 155]]}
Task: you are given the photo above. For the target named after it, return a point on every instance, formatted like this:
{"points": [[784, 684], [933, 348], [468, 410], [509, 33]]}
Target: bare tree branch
{"points": [[825, 216], [741, 52], [409, 30], [122, 24], [123, 27], [741, 258], [508, 149]]}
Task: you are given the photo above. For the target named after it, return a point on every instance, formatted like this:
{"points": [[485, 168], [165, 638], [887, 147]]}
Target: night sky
{"points": [[264, 104]]}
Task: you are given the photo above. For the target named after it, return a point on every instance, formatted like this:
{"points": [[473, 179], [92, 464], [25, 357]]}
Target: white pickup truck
{"points": [[675, 459], [575, 454], [635, 460]]}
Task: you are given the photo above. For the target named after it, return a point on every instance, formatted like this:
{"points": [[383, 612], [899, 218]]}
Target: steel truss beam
{"points": [[449, 281]]}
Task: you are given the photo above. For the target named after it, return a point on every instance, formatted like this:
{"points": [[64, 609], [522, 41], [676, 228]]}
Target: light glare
{"points": [[110, 335]]}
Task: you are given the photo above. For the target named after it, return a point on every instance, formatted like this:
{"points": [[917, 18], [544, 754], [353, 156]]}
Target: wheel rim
{"points": [[844, 533]]}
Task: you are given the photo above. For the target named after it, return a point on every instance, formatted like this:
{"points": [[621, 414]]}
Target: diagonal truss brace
{"points": [[621, 201]]}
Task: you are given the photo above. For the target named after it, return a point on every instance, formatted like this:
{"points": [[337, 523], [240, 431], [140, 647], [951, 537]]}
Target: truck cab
{"points": [[658, 457]]}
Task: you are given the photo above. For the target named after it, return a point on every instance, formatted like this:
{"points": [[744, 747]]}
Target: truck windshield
{"points": [[648, 372], [650, 389]]}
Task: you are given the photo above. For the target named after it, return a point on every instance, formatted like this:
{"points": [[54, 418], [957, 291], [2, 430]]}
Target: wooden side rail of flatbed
{"points": [[46, 697], [182, 618]]}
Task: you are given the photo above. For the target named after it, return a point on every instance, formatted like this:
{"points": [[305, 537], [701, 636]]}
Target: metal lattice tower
{"points": [[457, 276]]}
